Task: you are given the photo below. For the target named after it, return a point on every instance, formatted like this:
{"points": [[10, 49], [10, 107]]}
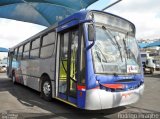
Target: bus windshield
{"points": [[115, 52]]}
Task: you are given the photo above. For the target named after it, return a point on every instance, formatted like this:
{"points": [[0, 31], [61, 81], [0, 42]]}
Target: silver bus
{"points": [[89, 60]]}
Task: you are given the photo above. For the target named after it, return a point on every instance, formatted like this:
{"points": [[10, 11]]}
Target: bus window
{"points": [[20, 50], [47, 51], [26, 51], [15, 54], [36, 43], [49, 39], [34, 53], [73, 64], [47, 45]]}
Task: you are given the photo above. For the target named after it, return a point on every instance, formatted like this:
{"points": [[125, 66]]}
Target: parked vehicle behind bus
{"points": [[90, 60], [148, 62], [3, 65]]}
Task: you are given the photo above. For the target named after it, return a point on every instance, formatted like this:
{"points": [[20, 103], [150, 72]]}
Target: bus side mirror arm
{"points": [[90, 46]]}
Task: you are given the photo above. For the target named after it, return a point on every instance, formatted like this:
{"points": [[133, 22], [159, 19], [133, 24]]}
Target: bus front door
{"points": [[68, 66]]}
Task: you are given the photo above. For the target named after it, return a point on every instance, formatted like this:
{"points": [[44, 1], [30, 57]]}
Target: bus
{"points": [[89, 60]]}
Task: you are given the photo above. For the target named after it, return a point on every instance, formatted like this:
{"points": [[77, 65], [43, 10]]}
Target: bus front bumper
{"points": [[100, 99]]}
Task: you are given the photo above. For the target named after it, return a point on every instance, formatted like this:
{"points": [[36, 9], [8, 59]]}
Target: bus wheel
{"points": [[46, 88]]}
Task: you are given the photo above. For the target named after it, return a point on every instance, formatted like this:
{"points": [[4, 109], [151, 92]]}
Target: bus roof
{"points": [[76, 17], [82, 16]]}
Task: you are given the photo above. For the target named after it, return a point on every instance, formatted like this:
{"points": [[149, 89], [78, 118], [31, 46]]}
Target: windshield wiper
{"points": [[125, 47], [114, 43]]}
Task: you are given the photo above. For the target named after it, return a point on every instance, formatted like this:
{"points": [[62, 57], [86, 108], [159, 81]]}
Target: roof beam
{"points": [[111, 5]]}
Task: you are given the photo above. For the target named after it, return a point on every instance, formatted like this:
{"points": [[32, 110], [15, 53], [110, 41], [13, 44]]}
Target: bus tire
{"points": [[46, 88]]}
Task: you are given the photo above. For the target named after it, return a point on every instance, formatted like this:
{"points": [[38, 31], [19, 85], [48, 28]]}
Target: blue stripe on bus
{"points": [[81, 96]]}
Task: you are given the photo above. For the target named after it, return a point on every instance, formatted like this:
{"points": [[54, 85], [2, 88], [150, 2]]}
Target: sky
{"points": [[145, 14]]}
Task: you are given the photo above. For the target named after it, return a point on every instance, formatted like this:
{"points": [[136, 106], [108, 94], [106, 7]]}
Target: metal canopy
{"points": [[154, 44], [143, 45], [146, 45], [3, 49], [42, 12]]}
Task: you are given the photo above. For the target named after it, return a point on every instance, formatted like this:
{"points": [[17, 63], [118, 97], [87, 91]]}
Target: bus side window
{"points": [[20, 50], [34, 52], [26, 51], [48, 44], [15, 54]]}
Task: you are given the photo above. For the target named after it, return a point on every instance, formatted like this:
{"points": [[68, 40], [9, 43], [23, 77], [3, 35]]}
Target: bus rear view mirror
{"points": [[91, 33]]}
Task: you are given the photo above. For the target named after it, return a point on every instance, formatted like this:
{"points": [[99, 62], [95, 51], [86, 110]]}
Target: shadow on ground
{"points": [[55, 109], [153, 75]]}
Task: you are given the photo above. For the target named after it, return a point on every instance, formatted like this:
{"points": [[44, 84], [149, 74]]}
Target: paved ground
{"points": [[17, 101]]}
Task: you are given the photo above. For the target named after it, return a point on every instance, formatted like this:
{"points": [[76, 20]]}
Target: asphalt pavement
{"points": [[20, 102]]}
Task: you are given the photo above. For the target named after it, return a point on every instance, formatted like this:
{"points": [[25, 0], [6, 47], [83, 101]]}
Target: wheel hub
{"points": [[46, 88]]}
